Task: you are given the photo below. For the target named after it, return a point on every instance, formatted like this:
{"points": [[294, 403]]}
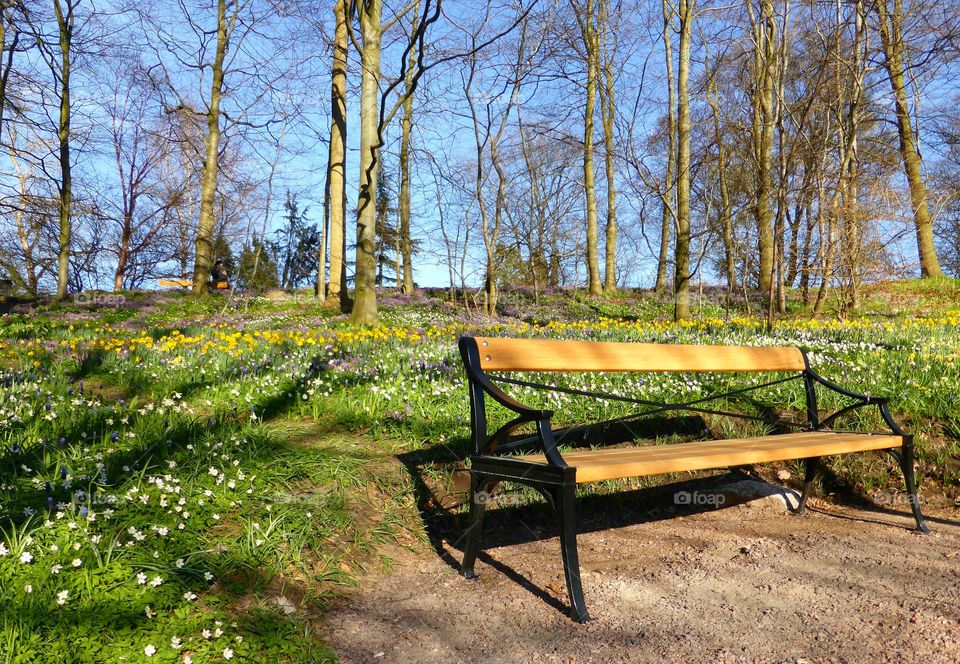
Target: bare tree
{"points": [[890, 25]]}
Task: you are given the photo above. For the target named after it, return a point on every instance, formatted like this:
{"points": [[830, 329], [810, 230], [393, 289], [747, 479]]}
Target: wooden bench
{"points": [[555, 474]]}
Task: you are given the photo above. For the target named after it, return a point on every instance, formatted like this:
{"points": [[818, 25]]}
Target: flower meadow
{"points": [[190, 482]]}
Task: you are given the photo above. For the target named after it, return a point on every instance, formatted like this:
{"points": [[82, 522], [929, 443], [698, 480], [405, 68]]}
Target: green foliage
{"points": [[258, 270]]}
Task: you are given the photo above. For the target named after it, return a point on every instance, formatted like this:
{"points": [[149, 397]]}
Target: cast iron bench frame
{"points": [[556, 480]]}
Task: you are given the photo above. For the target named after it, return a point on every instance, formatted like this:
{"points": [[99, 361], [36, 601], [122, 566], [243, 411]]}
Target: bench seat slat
{"points": [[554, 355], [618, 463]]}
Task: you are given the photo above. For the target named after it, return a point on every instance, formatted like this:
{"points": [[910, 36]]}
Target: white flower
{"points": [[28, 589], [216, 517], [227, 653], [179, 563], [149, 651], [141, 578], [187, 659], [206, 633], [62, 597], [56, 568], [150, 613], [176, 643], [208, 576], [218, 632], [76, 562], [3, 549], [213, 471], [156, 581], [26, 557]]}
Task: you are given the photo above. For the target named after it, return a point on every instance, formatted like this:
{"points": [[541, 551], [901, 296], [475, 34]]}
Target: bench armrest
{"points": [[882, 403], [480, 386]]}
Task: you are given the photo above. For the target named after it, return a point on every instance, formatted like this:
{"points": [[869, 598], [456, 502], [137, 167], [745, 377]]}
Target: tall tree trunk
{"points": [[365, 296], [65, 24], [336, 168], [669, 192], [783, 165], [682, 245], [608, 110], [726, 210], [891, 36], [591, 44], [203, 247], [764, 30], [405, 254]]}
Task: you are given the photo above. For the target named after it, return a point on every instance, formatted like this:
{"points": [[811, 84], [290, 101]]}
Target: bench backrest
{"points": [[551, 355]]}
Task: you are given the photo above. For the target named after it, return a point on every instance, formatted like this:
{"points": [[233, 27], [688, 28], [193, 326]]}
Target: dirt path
{"points": [[741, 584]]}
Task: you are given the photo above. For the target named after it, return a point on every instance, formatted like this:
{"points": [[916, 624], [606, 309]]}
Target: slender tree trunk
{"points": [[406, 125], [669, 192], [336, 171], [591, 43], [203, 247], [764, 30], [726, 209], [321, 285], [825, 221], [891, 36], [804, 261], [608, 111], [365, 297], [65, 23], [124, 252], [26, 236], [682, 245], [784, 165]]}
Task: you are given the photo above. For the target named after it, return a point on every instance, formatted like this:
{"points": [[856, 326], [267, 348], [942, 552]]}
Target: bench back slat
{"points": [[551, 355]]}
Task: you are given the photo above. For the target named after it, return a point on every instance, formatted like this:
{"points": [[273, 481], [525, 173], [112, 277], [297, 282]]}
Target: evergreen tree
{"points": [[388, 236], [257, 270], [297, 246]]}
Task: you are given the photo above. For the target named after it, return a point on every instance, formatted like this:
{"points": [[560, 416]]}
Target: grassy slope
{"points": [[151, 404]]}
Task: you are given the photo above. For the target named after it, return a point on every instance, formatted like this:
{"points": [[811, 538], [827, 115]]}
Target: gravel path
{"points": [[747, 583]]}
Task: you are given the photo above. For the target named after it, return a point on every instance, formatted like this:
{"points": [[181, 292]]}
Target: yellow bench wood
{"points": [[620, 462], [553, 355]]}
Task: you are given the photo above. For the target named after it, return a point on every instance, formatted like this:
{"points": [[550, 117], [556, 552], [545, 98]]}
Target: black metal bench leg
{"points": [[567, 510], [905, 458], [479, 496], [811, 467]]}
